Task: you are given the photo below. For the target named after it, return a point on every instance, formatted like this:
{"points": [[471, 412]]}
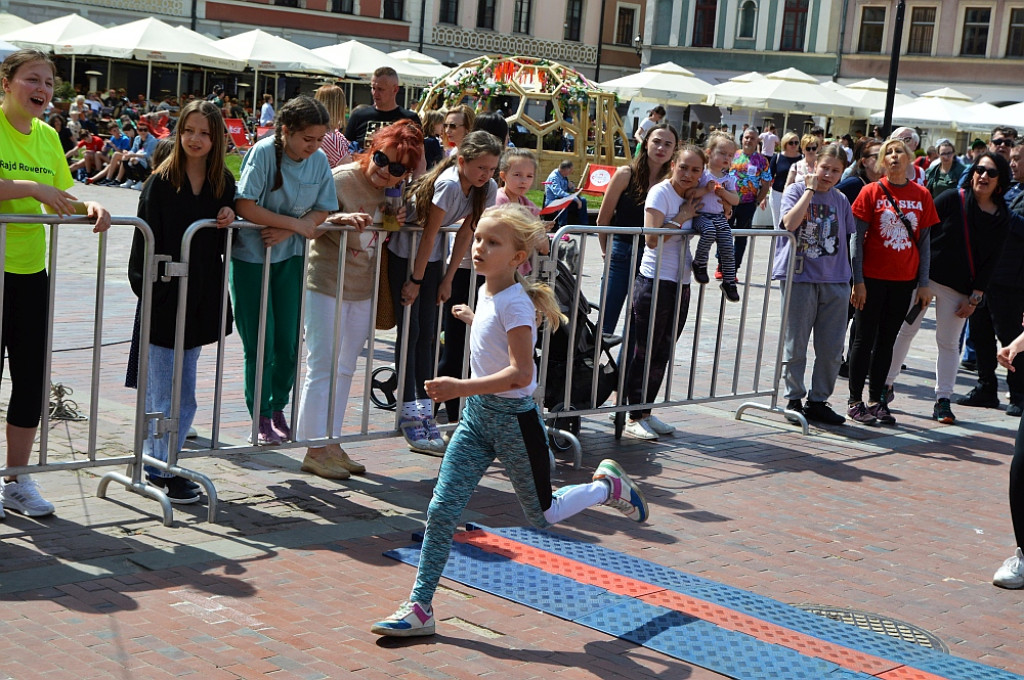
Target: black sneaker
{"points": [[943, 413], [1015, 408], [821, 411], [858, 411], [881, 413], [700, 273], [794, 405], [731, 293], [176, 488], [981, 398], [969, 365], [844, 369]]}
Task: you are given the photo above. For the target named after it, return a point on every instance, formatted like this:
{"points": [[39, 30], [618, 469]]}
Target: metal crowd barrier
{"points": [[735, 350], [92, 459], [718, 337]]}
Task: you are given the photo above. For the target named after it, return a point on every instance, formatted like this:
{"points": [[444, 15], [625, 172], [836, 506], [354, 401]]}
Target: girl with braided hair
{"points": [[286, 186]]}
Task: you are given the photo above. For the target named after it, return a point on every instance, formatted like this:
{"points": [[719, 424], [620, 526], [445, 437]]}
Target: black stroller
{"points": [[586, 353]]}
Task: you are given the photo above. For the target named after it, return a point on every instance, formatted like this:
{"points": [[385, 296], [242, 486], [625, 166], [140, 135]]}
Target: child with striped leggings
{"points": [[501, 417]]}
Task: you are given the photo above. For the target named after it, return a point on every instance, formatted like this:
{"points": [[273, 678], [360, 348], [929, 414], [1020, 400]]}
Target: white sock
{"points": [[574, 499]]}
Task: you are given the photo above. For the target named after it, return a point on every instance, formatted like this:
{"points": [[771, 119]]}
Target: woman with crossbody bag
{"points": [[890, 258], [965, 247]]}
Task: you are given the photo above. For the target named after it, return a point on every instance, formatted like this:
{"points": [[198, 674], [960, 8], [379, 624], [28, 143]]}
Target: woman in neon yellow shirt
{"points": [[33, 172]]}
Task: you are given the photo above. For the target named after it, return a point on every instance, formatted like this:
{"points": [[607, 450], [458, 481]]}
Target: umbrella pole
{"points": [[256, 89], [109, 66], [72, 70], [149, 80], [785, 123], [177, 87], [204, 81]]}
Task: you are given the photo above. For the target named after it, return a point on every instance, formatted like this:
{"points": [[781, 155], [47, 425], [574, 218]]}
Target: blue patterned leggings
{"points": [[491, 427], [714, 228]]}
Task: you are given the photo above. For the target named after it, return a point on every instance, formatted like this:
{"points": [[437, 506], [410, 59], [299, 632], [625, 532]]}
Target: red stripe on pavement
{"points": [[723, 617]]}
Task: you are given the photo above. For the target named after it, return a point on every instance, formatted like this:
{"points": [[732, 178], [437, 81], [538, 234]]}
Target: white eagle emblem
{"points": [[894, 234]]}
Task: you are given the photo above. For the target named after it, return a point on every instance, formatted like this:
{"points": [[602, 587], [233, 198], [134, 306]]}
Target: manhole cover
{"points": [[878, 624]]}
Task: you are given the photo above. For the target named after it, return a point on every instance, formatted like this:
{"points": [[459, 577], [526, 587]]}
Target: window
{"points": [[662, 22], [573, 15], [704, 23], [394, 9], [624, 26], [449, 12], [342, 6], [748, 20], [975, 37], [922, 30], [286, 3], [872, 29], [485, 14], [521, 16], [794, 25], [1015, 39]]}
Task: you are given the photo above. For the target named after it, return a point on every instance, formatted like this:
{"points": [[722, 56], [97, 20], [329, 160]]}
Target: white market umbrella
{"points": [[982, 118], [267, 52], [1012, 113], [52, 35], [788, 91], [667, 83], [424, 62], [11, 22], [7, 48], [152, 40], [934, 113], [359, 61], [950, 94], [872, 94]]}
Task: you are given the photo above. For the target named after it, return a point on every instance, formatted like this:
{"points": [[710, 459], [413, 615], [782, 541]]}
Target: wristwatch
{"points": [[975, 299]]}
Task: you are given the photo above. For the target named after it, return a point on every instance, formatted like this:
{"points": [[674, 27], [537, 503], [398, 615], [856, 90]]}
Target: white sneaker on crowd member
{"points": [[22, 495], [638, 429], [658, 425], [1011, 574]]}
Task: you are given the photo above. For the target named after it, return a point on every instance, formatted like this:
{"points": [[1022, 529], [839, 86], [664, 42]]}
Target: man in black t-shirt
{"points": [[364, 121]]}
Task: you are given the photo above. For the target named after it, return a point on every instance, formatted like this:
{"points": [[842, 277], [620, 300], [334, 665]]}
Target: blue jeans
{"points": [[158, 399], [619, 275]]}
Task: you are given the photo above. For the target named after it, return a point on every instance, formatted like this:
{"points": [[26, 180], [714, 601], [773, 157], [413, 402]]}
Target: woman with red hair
{"points": [[360, 185]]}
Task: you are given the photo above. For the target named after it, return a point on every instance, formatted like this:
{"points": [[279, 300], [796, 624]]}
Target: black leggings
{"points": [[455, 333], [877, 326], [1017, 487], [26, 298]]}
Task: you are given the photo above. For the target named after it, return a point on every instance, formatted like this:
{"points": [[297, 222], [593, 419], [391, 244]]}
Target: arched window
{"points": [[747, 20]]}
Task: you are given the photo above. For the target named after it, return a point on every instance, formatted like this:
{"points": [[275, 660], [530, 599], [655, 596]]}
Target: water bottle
{"points": [[392, 205]]}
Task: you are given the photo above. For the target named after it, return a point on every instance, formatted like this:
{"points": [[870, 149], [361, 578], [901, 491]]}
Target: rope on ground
{"points": [[61, 408]]}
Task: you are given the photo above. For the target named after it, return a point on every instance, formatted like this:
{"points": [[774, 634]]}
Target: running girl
{"points": [[191, 184], [716, 188], [459, 188], [501, 418], [285, 185]]}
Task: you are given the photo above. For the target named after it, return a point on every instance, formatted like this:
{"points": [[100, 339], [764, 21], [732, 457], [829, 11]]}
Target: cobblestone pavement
{"points": [[907, 522]]}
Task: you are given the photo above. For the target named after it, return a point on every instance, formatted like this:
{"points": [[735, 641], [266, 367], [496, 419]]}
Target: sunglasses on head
{"points": [[381, 160], [1003, 141], [982, 170]]}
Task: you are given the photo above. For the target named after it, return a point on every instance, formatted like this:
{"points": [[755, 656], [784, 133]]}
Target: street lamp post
{"points": [[638, 46], [894, 67]]}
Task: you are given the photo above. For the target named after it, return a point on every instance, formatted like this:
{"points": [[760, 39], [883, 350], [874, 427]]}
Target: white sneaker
{"points": [[658, 425], [192, 434], [638, 429], [1011, 574], [623, 493], [411, 619], [23, 496], [137, 186], [2, 515], [127, 184]]}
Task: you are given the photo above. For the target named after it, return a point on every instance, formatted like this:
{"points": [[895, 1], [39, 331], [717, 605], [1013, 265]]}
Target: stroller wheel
{"points": [[383, 384]]}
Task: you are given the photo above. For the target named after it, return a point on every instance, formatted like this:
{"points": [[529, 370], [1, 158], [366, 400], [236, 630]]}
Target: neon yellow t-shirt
{"points": [[37, 156]]}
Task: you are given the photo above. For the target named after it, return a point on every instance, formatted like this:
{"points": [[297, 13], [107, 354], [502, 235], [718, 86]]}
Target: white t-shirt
{"points": [[768, 142], [488, 336], [645, 126], [663, 198], [456, 205]]}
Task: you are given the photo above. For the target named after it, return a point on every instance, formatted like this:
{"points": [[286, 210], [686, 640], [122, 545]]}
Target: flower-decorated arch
{"points": [[547, 103]]}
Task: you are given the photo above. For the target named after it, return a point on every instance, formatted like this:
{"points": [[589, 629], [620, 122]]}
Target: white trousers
{"points": [[355, 330], [948, 327]]}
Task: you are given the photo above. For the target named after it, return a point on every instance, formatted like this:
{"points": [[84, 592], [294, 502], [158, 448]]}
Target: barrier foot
{"points": [[140, 488], [574, 443], [774, 409], [197, 477]]}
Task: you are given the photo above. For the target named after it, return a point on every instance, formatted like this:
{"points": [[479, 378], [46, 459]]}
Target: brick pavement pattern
{"points": [[907, 522]]}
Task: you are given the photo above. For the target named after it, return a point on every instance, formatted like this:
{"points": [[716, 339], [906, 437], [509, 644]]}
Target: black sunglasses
{"points": [[792, 142], [1003, 141], [982, 170], [451, 126], [381, 160]]}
